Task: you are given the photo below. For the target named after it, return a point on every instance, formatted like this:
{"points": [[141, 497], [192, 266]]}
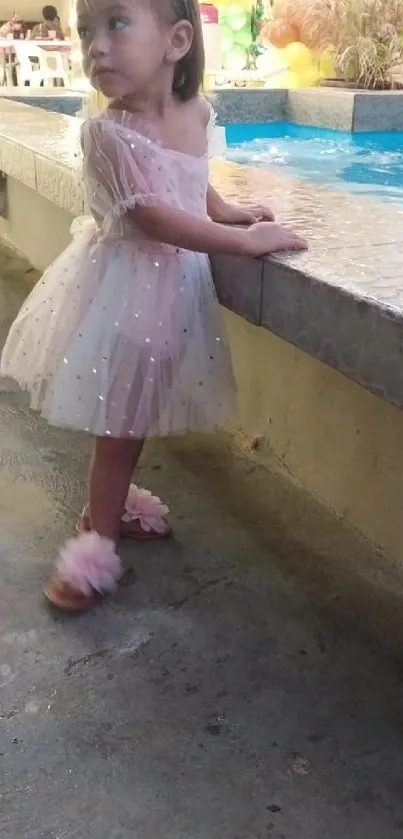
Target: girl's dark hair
{"points": [[189, 72]]}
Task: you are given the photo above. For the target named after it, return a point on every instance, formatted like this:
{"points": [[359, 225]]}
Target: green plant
{"points": [[365, 37]]}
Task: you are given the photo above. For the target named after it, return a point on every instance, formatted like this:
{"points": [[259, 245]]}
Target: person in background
{"points": [[50, 23], [5, 29], [15, 27]]}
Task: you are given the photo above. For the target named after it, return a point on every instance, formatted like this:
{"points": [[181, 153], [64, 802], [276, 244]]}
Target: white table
{"points": [[7, 53], [47, 43]]}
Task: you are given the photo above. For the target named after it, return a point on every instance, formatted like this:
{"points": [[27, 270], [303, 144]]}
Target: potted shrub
{"points": [[364, 38]]}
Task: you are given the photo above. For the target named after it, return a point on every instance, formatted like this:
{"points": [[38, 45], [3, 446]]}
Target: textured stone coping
{"points": [[345, 110], [342, 302]]}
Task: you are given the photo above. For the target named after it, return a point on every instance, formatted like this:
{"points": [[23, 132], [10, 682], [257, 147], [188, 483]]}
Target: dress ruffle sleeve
{"points": [[118, 169]]}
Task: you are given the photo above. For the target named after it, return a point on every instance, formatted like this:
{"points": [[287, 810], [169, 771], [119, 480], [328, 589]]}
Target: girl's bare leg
{"points": [[146, 517], [112, 465], [90, 563]]}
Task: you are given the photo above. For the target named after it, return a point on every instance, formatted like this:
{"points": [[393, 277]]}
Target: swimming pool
{"points": [[366, 163]]}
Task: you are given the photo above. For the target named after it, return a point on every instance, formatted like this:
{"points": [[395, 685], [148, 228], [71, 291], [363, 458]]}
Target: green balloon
{"points": [[244, 38], [235, 59], [239, 22], [237, 17], [227, 38], [223, 15]]}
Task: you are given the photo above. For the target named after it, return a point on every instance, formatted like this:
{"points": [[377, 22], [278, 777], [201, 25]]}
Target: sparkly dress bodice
{"points": [[125, 165]]}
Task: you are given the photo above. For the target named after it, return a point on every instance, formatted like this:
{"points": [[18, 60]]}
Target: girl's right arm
{"points": [[116, 173], [177, 228]]}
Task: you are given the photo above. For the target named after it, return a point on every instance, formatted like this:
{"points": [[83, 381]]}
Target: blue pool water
{"points": [[365, 163]]}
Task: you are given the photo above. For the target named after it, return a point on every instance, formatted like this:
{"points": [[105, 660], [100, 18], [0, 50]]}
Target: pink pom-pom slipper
{"points": [[88, 566], [145, 517]]}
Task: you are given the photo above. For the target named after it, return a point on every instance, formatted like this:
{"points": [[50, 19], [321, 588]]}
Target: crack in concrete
{"points": [[85, 659], [134, 650], [177, 604]]}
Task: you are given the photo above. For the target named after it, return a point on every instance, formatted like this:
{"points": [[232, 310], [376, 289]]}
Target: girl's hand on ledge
{"points": [[246, 214], [267, 237]]}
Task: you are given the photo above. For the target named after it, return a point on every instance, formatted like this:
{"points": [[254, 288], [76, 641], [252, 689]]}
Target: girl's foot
{"points": [[145, 517], [88, 566]]}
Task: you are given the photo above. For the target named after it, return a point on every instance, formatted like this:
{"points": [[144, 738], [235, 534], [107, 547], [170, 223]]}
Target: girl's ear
{"points": [[180, 41]]}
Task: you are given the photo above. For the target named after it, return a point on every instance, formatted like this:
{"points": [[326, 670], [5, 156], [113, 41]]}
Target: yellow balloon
{"points": [[310, 77], [327, 69], [298, 57], [292, 80]]}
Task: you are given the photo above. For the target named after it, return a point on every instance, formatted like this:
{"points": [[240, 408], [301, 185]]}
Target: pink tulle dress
{"points": [[123, 335]]}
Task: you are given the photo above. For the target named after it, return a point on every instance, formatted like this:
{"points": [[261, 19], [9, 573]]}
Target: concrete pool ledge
{"points": [[341, 302], [290, 319]]}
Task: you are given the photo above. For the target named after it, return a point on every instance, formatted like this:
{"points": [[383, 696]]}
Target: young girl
{"points": [[122, 337]]}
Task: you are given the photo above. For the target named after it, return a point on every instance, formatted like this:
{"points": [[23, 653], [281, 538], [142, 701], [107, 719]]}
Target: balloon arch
{"points": [[270, 39], [273, 39]]}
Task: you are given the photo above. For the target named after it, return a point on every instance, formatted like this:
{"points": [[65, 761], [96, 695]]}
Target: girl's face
{"points": [[125, 45]]}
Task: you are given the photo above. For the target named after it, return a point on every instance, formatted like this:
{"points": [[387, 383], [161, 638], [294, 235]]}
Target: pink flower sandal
{"points": [[88, 566], [64, 597], [144, 519]]}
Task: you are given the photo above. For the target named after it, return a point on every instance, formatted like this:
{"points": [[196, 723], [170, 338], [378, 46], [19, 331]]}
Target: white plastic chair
{"points": [[6, 68], [3, 76], [46, 67]]}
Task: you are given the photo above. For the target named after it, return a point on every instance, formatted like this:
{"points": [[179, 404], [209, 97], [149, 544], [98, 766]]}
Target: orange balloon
{"points": [[282, 9], [283, 33], [312, 21]]}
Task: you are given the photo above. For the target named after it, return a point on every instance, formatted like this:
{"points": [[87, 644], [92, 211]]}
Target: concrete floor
{"points": [[246, 681]]}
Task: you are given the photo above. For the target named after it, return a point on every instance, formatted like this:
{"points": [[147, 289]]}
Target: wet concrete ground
{"points": [[246, 681]]}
